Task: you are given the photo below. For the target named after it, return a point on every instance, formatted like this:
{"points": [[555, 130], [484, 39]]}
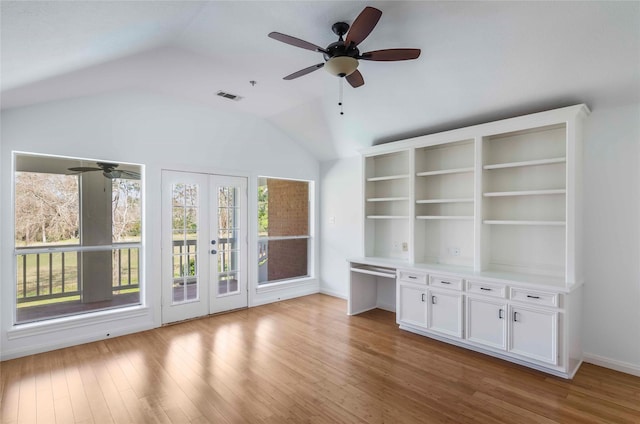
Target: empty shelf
{"points": [[458, 217], [525, 193], [444, 171], [526, 163], [461, 200], [507, 222], [388, 177]]}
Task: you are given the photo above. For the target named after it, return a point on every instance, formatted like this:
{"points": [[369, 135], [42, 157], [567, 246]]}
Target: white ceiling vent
{"points": [[229, 96]]}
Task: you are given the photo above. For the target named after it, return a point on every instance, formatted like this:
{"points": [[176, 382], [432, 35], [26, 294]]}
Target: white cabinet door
{"points": [[534, 333], [412, 304], [487, 322], [445, 312]]}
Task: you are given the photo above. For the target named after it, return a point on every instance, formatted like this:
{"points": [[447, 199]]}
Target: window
{"points": [[283, 230], [78, 233]]}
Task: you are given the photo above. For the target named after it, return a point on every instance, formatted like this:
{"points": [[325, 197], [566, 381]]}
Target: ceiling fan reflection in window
{"points": [[108, 170]]}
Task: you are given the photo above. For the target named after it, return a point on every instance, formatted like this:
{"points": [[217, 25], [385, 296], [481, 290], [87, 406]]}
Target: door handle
{"points": [[214, 251]]}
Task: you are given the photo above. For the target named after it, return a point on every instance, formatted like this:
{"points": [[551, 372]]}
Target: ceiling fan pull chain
{"points": [[341, 83]]}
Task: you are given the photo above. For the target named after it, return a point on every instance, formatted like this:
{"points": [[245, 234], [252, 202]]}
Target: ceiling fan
{"points": [[342, 57], [108, 170]]}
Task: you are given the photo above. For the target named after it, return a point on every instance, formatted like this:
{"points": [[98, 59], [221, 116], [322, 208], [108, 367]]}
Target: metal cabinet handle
{"points": [[412, 277], [485, 289], [515, 317], [500, 313], [433, 300], [423, 297], [213, 242], [445, 282], [533, 297], [214, 251]]}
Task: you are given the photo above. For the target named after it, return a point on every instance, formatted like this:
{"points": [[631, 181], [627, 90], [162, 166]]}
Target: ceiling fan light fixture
{"points": [[341, 66]]}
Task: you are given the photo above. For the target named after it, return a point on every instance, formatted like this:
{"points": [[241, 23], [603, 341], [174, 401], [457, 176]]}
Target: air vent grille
{"points": [[228, 95]]}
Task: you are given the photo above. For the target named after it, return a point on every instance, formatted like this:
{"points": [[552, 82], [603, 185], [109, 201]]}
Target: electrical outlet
{"points": [[405, 246], [455, 251]]}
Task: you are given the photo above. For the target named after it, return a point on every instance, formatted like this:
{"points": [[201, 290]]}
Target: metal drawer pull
{"points": [[485, 289], [500, 314], [445, 282], [533, 297], [412, 277], [423, 297], [433, 300], [515, 317]]}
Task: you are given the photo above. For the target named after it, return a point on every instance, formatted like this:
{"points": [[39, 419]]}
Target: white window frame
{"points": [[286, 282], [30, 328]]}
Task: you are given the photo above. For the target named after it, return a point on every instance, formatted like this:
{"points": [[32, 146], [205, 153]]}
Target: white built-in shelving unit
{"points": [[483, 226], [387, 204], [444, 202], [525, 198], [495, 198]]}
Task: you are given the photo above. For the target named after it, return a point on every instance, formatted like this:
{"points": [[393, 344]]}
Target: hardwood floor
{"points": [[299, 361]]}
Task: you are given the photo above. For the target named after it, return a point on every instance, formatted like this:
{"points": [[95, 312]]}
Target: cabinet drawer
{"points": [[487, 289], [453, 283], [534, 297], [413, 277]]}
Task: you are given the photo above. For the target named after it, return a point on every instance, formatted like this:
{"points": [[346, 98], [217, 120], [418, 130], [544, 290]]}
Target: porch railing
{"points": [[185, 253], [52, 273]]}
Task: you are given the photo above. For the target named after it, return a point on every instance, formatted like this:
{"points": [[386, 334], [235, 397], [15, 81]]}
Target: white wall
{"points": [[611, 234], [340, 222], [160, 133], [612, 238]]}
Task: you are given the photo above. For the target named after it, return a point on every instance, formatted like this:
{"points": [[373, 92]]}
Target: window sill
{"points": [[282, 285], [76, 321]]}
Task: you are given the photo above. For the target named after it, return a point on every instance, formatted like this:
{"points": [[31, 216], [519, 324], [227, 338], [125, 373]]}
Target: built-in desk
{"points": [[371, 286]]}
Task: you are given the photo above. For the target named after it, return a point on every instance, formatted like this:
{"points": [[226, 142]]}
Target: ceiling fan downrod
{"points": [[341, 85]]}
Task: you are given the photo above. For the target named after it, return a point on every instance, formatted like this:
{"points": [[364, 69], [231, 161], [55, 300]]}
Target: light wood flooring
{"points": [[299, 361]]}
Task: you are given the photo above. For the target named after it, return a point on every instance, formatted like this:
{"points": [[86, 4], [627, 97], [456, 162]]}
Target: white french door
{"points": [[204, 244]]}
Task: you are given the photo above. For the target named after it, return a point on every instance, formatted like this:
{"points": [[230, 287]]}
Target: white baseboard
{"points": [[285, 293], [73, 341], [333, 293], [613, 364]]}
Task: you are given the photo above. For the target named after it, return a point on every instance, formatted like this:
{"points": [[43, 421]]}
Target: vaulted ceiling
{"points": [[480, 60]]}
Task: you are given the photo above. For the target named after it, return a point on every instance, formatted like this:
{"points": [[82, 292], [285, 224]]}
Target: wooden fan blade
{"points": [[295, 41], [390, 55], [363, 25], [304, 71], [131, 175], [355, 79], [83, 169]]}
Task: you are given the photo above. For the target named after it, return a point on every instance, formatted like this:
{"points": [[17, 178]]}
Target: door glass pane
{"points": [[178, 217], [185, 242], [177, 195], [227, 241]]}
